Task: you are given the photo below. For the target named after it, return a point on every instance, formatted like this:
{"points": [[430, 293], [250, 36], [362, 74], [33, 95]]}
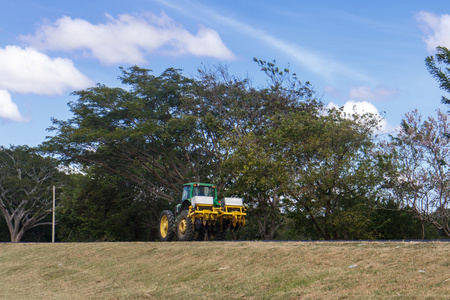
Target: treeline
{"points": [[305, 171]]}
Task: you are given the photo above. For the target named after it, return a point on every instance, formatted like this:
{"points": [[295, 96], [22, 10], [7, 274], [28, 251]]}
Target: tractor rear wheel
{"points": [[217, 233], [185, 228], [199, 235], [218, 236], [166, 222]]}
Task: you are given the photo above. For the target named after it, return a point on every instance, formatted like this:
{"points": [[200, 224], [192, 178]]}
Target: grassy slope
{"points": [[220, 270]]}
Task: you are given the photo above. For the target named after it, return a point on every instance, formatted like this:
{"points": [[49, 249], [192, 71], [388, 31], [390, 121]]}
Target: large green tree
{"points": [[149, 134], [316, 164], [26, 184], [255, 162], [333, 178]]}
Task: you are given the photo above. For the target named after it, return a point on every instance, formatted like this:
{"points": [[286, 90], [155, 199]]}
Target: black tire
{"points": [[166, 222], [200, 234], [220, 236], [185, 228], [217, 233]]}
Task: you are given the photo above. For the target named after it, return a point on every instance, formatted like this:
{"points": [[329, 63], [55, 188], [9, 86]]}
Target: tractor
{"points": [[199, 215]]}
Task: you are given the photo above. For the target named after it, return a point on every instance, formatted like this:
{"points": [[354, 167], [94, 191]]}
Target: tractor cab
{"points": [[194, 189]]}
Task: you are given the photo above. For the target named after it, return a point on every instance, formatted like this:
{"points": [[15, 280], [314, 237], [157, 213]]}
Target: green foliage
{"points": [[316, 164], [256, 162], [304, 171], [142, 134], [390, 222], [331, 179], [442, 75], [102, 207]]}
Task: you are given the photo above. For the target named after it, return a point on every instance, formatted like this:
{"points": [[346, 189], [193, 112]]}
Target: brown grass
{"points": [[225, 270]]}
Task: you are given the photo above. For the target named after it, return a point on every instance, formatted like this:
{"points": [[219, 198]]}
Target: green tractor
{"points": [[199, 215]]}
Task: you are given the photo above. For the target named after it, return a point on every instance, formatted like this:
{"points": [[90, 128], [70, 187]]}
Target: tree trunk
{"points": [[422, 223], [17, 237], [17, 226], [316, 224]]}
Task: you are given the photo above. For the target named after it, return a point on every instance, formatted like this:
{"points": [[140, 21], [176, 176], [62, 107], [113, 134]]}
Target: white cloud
{"points": [[363, 107], [128, 39], [30, 71], [436, 28], [366, 93], [8, 109]]}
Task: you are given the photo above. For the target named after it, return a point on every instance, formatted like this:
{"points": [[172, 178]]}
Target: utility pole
{"points": [[53, 216]]}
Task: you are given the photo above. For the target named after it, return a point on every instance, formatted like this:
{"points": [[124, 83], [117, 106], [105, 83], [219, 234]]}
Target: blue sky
{"points": [[368, 54]]}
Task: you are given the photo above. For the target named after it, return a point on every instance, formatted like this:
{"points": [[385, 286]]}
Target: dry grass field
{"points": [[226, 270]]}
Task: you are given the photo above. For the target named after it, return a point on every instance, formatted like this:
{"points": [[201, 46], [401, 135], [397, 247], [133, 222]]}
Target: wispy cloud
{"points": [[366, 93], [128, 38], [320, 65]]}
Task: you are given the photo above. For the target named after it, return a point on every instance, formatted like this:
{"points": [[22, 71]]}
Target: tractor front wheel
{"points": [[166, 222], [185, 228]]}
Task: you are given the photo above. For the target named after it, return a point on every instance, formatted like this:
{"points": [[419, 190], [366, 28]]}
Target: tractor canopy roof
{"points": [[199, 183]]}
